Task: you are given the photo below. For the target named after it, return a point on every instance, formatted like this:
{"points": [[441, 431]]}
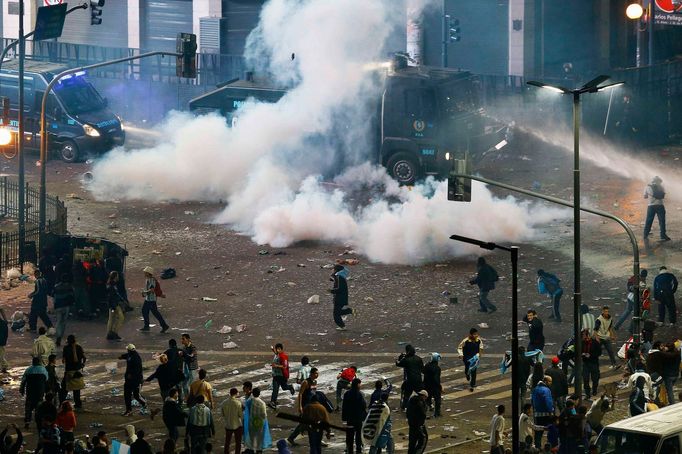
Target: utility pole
{"points": [[20, 142]]}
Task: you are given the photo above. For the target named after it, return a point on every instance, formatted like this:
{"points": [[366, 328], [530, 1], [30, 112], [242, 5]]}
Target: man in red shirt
{"points": [[280, 374], [345, 378]]}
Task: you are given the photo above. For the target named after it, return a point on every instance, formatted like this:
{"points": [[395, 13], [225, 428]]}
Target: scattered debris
{"points": [[369, 299], [315, 299], [209, 299], [208, 324], [189, 213], [291, 284], [241, 328], [483, 325], [263, 252], [351, 262], [225, 329], [229, 345]]}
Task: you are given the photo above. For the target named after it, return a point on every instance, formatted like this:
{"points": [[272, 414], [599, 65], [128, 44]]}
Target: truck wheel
{"points": [[69, 151], [403, 168]]}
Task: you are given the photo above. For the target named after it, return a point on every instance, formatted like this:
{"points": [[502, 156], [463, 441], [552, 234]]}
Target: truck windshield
{"points": [[617, 442], [78, 96]]}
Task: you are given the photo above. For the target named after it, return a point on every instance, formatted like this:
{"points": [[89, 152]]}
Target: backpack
{"points": [[657, 191], [157, 290]]}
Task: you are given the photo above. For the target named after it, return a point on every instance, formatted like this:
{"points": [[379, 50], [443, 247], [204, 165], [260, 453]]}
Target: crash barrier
{"points": [[55, 216]]}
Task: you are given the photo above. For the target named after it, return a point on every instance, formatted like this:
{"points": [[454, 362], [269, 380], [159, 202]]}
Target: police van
{"points": [[79, 121]]}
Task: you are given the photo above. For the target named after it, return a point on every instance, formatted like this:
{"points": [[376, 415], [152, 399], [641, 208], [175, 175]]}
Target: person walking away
{"points": [[232, 412], [469, 350], [559, 386], [497, 431], [550, 285], [340, 292], [586, 318], [671, 370], [655, 193], [603, 330], [304, 371], [165, 374], [485, 279], [343, 381], [152, 291], [543, 407], [190, 362], [53, 386], [317, 420], [637, 398], [67, 422], [640, 371], [140, 446], [353, 414], [524, 368], [416, 419], [45, 410], [116, 304], [630, 300], [133, 379], [43, 346], [595, 415], [172, 414], [591, 353], [200, 427], [257, 428], [80, 289], [73, 358], [38, 303], [33, 385], [376, 429], [280, 374], [526, 426], [665, 286], [63, 300], [432, 383], [412, 366], [305, 393], [46, 267], [4, 335], [201, 387], [536, 336]]}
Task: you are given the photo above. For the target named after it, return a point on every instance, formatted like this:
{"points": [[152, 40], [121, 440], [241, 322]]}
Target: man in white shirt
{"points": [[640, 371], [304, 371], [496, 431]]}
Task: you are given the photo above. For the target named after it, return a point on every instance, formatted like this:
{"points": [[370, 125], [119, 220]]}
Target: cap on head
{"points": [[148, 270], [130, 347]]}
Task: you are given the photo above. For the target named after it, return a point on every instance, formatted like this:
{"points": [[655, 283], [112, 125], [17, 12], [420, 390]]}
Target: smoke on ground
{"points": [[280, 169]]}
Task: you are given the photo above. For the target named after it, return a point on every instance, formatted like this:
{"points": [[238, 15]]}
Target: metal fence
{"points": [[55, 215]]}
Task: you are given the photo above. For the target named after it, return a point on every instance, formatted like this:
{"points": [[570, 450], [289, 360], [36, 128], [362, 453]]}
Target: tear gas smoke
{"points": [[270, 166]]}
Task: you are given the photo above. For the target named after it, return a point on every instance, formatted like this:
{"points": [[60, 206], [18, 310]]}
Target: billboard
{"points": [[668, 12]]}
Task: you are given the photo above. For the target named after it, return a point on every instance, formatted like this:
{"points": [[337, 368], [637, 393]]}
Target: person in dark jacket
{"points": [[116, 304], [665, 286], [340, 292], [536, 336], [175, 360], [432, 383], [140, 446], [38, 303], [524, 368], [4, 334], [53, 385], [470, 350], [46, 410], [591, 353], [173, 416], [46, 267], [671, 369], [166, 374], [353, 412], [638, 398], [485, 279], [63, 300], [33, 385], [79, 276], [550, 284], [133, 379], [416, 419], [543, 407], [9, 446], [412, 366], [559, 386]]}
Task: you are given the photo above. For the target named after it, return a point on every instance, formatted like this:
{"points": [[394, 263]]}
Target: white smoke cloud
{"points": [[269, 166]]}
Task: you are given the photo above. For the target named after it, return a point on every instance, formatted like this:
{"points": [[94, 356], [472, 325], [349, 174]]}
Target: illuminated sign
{"points": [[668, 12]]}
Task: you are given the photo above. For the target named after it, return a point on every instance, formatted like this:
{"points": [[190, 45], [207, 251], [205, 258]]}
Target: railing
{"points": [[56, 215]]}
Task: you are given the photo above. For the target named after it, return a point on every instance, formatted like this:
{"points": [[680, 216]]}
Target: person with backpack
{"points": [[550, 285], [485, 279], [665, 286], [280, 374], [643, 273], [152, 291], [655, 193]]}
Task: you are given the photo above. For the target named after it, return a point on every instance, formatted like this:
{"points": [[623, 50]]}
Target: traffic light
{"points": [[96, 11], [453, 29], [186, 63], [459, 188]]}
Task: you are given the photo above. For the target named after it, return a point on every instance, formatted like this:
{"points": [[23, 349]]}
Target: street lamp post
{"points": [[592, 86], [20, 141], [514, 250]]}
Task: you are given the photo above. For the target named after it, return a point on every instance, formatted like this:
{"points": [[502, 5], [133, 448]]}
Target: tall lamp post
{"points": [[514, 250], [592, 86]]}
